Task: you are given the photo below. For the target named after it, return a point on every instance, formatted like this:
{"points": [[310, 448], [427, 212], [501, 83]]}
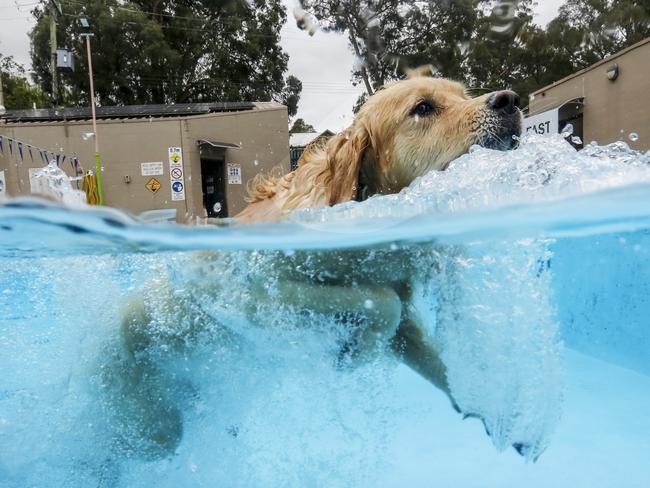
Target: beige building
{"points": [[195, 159], [605, 102]]}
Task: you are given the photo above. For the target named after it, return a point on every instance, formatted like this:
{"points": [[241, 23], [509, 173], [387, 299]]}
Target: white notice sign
{"points": [[3, 183], [176, 176], [234, 174], [543, 124], [152, 169]]}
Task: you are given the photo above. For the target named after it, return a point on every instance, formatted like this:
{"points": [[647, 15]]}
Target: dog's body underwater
{"points": [[402, 132]]}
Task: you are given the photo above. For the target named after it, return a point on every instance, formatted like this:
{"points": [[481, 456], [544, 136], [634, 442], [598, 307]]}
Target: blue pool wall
{"points": [[602, 291]]}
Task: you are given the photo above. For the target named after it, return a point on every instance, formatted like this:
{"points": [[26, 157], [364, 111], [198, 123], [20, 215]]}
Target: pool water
{"points": [[533, 276]]}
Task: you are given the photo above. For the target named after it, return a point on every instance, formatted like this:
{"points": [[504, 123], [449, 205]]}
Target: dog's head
{"points": [[413, 126]]}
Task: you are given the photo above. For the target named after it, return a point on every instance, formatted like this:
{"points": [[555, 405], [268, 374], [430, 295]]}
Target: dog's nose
{"points": [[504, 101]]}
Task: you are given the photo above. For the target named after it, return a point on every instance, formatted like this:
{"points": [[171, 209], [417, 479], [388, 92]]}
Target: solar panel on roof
{"points": [[127, 111]]}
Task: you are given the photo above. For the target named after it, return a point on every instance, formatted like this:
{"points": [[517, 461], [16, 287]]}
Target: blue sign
{"points": [[177, 186]]}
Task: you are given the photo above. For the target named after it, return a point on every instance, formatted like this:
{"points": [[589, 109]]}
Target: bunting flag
{"points": [[46, 157]]}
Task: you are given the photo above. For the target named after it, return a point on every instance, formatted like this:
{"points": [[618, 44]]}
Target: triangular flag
{"points": [[1, 148], [20, 150], [30, 152], [11, 145]]}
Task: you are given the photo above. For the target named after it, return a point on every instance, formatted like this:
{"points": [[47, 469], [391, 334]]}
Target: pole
{"points": [[2, 96], [98, 166], [53, 71]]}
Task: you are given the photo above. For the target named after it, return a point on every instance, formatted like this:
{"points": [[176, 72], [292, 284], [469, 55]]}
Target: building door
{"points": [[213, 179]]}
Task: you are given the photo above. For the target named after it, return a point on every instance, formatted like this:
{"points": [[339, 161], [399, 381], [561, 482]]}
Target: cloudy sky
{"points": [[323, 62]]}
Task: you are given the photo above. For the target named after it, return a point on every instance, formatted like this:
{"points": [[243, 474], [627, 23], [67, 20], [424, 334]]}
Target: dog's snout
{"points": [[504, 101]]}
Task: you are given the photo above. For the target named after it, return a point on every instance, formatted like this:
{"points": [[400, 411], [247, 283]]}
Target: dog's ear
{"points": [[426, 71], [345, 154]]}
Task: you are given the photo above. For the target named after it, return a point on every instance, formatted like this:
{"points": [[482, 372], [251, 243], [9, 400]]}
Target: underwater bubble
{"points": [[217, 207], [369, 304], [567, 131], [633, 137]]}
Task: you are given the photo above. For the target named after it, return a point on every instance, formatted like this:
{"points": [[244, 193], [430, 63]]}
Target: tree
{"points": [[167, 51], [586, 31], [290, 95], [301, 126], [389, 36], [18, 92]]}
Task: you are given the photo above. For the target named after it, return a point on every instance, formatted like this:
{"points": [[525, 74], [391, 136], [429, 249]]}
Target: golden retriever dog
{"points": [[405, 130]]}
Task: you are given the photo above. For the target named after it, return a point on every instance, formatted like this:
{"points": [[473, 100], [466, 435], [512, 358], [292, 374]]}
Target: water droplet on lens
{"points": [[256, 162], [634, 137]]}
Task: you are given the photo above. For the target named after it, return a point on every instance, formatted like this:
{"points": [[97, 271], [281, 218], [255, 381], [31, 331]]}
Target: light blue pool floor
{"points": [[602, 441]]}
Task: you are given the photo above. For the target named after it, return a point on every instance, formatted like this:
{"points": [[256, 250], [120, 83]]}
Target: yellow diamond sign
{"points": [[153, 185]]}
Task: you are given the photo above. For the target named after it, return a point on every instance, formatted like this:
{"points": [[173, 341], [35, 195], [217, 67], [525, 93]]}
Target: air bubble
{"points": [[369, 304], [633, 137]]}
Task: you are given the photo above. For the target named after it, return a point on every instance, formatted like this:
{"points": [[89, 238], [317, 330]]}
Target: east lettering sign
{"points": [[543, 124]]}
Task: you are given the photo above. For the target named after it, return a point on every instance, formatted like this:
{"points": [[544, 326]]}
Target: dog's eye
{"points": [[423, 109]]}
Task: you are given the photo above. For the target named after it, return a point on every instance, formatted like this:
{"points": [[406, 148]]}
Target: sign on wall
{"points": [[153, 185], [176, 176], [543, 124], [3, 183], [152, 169], [234, 174]]}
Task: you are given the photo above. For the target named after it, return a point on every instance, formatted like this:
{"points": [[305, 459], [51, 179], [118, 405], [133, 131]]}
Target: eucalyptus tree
{"points": [[166, 51]]}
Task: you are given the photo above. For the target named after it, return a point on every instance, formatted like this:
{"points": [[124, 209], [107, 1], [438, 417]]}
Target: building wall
{"points": [[126, 143], [613, 109]]}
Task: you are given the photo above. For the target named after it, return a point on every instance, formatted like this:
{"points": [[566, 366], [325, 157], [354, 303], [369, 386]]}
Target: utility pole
{"points": [[98, 165], [55, 7], [2, 95]]}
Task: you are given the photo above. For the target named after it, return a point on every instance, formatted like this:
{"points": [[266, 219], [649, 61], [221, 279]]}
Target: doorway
{"points": [[213, 184]]}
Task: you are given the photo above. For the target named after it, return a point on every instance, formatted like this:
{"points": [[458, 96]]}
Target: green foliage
{"points": [[290, 95], [170, 51], [487, 44], [18, 92], [300, 126]]}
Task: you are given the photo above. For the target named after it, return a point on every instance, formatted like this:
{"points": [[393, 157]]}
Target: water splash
{"points": [[52, 182]]}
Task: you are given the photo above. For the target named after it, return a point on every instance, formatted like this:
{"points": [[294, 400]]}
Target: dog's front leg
{"points": [[418, 352], [379, 307]]}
